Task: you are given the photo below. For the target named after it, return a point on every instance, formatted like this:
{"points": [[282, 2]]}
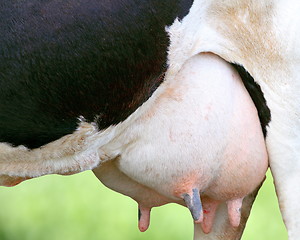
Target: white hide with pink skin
{"points": [[199, 130], [263, 37]]}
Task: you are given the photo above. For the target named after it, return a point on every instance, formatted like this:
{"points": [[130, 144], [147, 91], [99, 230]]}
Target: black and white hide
{"points": [[167, 101]]}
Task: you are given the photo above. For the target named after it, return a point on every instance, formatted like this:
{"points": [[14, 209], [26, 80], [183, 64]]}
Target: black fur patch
{"points": [[257, 96], [100, 59]]}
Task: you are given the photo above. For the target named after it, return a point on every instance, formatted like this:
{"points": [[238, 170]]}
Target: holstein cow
{"points": [[159, 113]]}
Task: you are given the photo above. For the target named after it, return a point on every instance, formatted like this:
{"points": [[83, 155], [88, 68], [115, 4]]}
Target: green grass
{"points": [[79, 207]]}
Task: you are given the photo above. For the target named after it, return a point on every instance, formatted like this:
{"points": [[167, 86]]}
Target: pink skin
{"points": [[146, 198], [210, 145], [144, 220], [209, 210], [234, 211]]}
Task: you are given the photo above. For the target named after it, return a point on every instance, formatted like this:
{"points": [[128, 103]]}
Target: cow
{"points": [[72, 71]]}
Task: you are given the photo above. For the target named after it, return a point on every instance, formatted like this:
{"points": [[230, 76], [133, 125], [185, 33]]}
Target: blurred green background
{"points": [[79, 207]]}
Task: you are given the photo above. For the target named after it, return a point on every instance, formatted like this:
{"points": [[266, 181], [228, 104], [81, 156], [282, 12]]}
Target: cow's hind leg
{"points": [[283, 143]]}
